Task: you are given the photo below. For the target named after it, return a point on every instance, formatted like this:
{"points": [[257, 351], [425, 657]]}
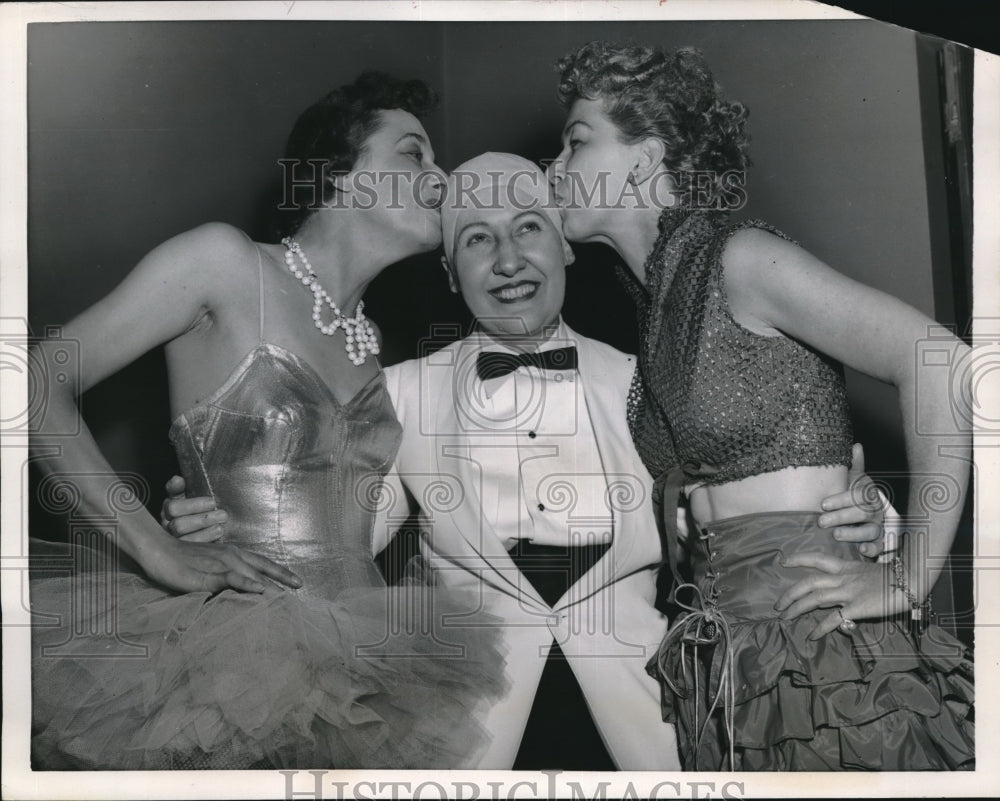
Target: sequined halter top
{"points": [[710, 396]]}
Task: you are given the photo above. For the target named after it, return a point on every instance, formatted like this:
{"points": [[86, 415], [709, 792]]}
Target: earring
{"points": [[631, 178], [452, 280]]}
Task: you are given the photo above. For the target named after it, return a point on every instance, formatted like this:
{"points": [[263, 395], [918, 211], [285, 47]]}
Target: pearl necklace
{"points": [[360, 339]]}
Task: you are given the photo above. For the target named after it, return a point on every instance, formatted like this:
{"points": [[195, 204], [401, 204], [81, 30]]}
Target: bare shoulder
{"points": [[757, 262], [216, 250], [758, 269], [220, 236], [756, 248]]}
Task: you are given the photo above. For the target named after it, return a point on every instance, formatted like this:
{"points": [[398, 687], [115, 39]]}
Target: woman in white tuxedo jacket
{"points": [[469, 465], [606, 623]]}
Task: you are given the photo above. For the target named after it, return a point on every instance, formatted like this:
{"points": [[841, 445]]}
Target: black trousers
{"points": [[560, 732]]}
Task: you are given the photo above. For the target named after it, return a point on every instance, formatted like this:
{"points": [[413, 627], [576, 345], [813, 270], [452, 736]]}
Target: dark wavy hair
{"points": [[334, 131], [649, 91]]}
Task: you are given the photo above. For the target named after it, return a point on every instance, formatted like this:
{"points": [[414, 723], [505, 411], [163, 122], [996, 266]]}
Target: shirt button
{"points": [[531, 435], [541, 507]]}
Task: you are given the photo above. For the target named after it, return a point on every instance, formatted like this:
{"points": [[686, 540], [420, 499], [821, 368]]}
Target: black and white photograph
{"points": [[497, 400]]}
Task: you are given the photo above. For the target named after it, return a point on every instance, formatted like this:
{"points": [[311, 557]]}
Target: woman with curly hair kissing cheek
{"points": [[789, 650]]}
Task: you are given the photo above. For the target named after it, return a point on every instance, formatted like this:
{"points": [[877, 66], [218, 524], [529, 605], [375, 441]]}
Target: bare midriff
{"points": [[791, 489]]}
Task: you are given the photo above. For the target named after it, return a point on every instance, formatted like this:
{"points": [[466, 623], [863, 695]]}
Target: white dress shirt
{"points": [[543, 479]]}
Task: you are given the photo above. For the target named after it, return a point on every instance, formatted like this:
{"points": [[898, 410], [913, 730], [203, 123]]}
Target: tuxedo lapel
{"points": [[605, 382], [459, 439], [454, 434]]}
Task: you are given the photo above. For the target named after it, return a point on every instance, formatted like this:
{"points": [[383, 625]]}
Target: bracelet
{"points": [[916, 607]]}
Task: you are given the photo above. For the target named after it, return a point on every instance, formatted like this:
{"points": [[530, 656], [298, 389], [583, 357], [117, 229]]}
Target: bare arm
{"points": [[777, 287], [161, 299]]}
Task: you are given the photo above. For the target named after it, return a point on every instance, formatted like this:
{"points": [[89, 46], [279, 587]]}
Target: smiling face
{"points": [[590, 175], [397, 183], [509, 263]]}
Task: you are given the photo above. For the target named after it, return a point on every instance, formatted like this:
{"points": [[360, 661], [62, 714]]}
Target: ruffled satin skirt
{"points": [[733, 672], [129, 676]]}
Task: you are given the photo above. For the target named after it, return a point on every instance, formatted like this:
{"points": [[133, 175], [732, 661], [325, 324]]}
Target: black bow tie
{"points": [[495, 364]]}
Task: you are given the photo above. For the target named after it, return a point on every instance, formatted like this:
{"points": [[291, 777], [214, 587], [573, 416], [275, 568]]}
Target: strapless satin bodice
{"points": [[297, 472]]}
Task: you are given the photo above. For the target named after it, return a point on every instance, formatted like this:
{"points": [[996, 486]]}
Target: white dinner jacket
{"points": [[605, 623]]}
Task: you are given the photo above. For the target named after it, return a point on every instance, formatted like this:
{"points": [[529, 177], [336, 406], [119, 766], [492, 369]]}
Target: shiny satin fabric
{"points": [[343, 672], [297, 472], [739, 559], [750, 691]]}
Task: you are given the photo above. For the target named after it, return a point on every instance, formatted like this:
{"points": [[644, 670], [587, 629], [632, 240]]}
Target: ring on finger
{"points": [[846, 624]]}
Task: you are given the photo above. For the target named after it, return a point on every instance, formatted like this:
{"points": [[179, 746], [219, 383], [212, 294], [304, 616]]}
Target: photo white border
{"points": [[20, 783]]}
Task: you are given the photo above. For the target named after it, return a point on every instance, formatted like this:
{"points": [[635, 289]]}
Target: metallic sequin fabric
{"points": [[710, 395]]}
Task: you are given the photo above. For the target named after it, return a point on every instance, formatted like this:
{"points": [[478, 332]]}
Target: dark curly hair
{"points": [[648, 91], [334, 130]]}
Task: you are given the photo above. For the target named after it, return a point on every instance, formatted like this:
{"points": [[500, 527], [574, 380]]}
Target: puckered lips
{"points": [[562, 199], [515, 291]]}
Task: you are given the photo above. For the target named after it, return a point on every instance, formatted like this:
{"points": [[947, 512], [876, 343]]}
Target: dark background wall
{"points": [[138, 131]]}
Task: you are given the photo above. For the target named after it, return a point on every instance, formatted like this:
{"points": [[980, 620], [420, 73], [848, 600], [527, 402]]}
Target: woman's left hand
{"points": [[852, 590]]}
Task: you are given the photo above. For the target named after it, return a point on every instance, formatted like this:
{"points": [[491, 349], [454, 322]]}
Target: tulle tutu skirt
{"points": [[129, 676], [878, 698]]}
